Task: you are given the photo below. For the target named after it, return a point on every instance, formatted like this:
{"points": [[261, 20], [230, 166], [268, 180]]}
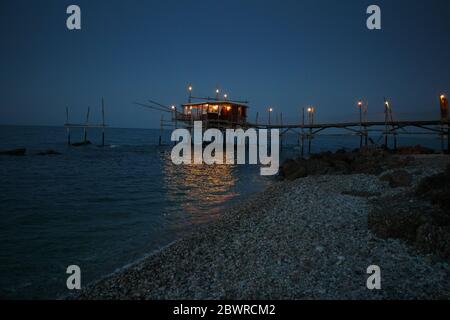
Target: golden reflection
{"points": [[202, 190]]}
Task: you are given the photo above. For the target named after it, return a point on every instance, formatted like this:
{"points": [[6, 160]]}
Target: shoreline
{"points": [[301, 239]]}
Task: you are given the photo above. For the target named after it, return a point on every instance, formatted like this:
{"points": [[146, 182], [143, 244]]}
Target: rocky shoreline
{"points": [[311, 236]]}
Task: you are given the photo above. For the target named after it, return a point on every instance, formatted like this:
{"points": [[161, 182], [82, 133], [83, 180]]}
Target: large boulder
{"points": [[418, 149], [436, 189], [433, 238], [398, 217], [293, 169], [398, 178], [421, 217]]}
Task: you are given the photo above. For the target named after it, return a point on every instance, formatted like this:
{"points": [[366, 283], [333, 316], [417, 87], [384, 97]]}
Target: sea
{"points": [[104, 207]]}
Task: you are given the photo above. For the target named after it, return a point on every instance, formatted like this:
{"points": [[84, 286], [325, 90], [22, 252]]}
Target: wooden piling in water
{"points": [[103, 122], [85, 128], [281, 137], [161, 131], [67, 128], [303, 132], [443, 101], [448, 139]]}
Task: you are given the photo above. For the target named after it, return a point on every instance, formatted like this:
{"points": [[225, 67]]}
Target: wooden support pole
{"points": [[448, 139], [395, 141], [85, 128], [360, 125], [311, 122], [309, 143], [103, 122], [385, 123], [281, 125], [68, 128], [176, 118], [366, 136], [303, 130], [395, 137], [161, 131], [443, 102]]}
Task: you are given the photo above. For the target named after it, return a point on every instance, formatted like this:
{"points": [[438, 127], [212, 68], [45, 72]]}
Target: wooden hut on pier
{"points": [[214, 114]]}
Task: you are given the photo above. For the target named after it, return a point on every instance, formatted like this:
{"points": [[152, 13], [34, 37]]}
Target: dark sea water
{"points": [[104, 207]]}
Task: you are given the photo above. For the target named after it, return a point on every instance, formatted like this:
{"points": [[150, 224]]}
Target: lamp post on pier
{"points": [[311, 110], [360, 106], [444, 117], [190, 93]]}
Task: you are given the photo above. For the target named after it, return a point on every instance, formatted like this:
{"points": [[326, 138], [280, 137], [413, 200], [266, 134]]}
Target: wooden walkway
{"points": [[398, 124]]}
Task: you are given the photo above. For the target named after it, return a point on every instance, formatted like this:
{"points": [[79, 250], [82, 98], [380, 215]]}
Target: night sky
{"points": [[284, 54]]}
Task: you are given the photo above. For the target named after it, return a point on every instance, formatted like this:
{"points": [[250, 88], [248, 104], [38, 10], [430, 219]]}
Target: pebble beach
{"points": [[301, 239]]}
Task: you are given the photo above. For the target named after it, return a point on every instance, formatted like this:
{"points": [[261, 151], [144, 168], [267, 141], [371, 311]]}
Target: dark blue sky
{"points": [[286, 54]]}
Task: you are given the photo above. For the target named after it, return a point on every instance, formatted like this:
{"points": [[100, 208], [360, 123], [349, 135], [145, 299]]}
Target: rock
{"points": [[398, 162], [398, 178], [301, 172], [365, 160], [288, 167], [433, 238], [436, 189], [415, 220], [293, 169], [13, 152], [418, 149], [48, 152], [317, 166], [397, 217]]}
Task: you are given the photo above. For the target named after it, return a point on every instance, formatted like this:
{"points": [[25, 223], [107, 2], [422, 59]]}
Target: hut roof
{"points": [[239, 104]]}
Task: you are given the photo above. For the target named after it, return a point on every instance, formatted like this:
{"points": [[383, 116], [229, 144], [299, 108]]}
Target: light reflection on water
{"points": [[207, 187]]}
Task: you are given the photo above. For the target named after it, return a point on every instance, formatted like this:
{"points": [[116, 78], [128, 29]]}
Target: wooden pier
{"points": [[363, 129], [223, 113]]}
